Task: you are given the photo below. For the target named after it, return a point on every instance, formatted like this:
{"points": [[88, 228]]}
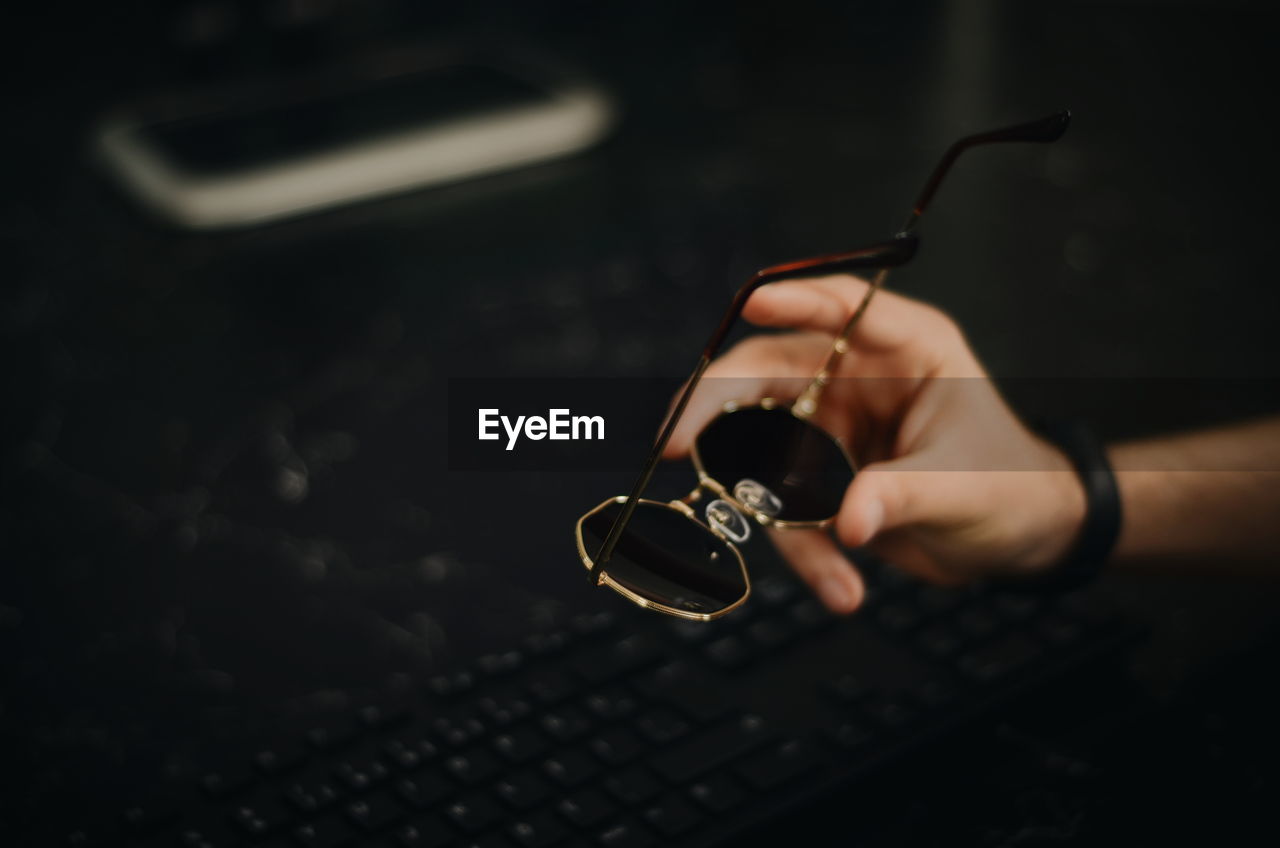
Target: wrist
{"points": [[1061, 506], [1100, 526]]}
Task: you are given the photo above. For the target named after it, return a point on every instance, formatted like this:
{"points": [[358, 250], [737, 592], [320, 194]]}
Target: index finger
{"points": [[825, 304], [778, 366]]}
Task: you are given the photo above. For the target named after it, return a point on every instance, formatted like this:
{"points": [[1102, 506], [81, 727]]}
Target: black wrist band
{"points": [[1101, 525]]}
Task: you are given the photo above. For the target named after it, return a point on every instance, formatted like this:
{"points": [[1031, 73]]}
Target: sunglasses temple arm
{"points": [[885, 254], [1041, 131]]}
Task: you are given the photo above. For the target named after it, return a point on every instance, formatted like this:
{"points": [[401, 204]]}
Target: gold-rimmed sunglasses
{"points": [[766, 463]]}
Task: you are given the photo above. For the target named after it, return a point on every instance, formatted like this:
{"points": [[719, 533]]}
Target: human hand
{"points": [[951, 485]]}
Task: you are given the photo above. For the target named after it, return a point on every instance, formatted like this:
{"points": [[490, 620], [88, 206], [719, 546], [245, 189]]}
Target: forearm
{"points": [[1207, 501]]}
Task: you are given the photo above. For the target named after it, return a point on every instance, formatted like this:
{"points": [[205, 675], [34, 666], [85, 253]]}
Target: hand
{"points": [[951, 485]]}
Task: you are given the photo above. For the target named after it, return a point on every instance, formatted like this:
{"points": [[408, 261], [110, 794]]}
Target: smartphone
{"points": [[252, 154]]}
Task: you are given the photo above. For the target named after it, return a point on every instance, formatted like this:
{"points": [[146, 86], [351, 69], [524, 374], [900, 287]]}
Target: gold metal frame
{"points": [[603, 579]]}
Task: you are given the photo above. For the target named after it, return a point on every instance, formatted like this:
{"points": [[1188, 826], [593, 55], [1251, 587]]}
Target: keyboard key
{"points": [[586, 808], [552, 687], [846, 689], [999, 658], [718, 793], [662, 725], [691, 631], [625, 835], [310, 794], [523, 790], [729, 652], [227, 782], [409, 753], [623, 657], [380, 718], [422, 790], [936, 600], [520, 745], [204, 835], [851, 735], [494, 665], [1059, 631], [809, 614], [457, 733], [611, 704], [667, 678], [280, 758], [327, 832], [473, 766], [331, 737], [374, 812], [570, 768], [83, 837], [977, 623], [502, 711], [774, 591], [699, 699], [1017, 606], [935, 694], [149, 816], [780, 764], [260, 818], [566, 723], [592, 623], [892, 712], [898, 617], [616, 747], [633, 786], [537, 831], [429, 831], [711, 749], [473, 812], [771, 633], [672, 816], [547, 644], [360, 773], [449, 686], [941, 641]]}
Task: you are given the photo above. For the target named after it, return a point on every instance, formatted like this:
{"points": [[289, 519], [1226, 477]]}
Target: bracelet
{"points": [[1101, 526]]}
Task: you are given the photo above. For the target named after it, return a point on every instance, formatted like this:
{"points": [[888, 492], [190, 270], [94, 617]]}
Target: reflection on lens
{"points": [[798, 462], [668, 558]]}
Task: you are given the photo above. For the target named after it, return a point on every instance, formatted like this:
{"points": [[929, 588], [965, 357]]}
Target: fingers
{"points": [[814, 555], [886, 496], [759, 367], [825, 304]]}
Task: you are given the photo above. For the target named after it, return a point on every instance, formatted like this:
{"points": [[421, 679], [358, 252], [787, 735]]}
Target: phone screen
{"points": [[262, 134]]}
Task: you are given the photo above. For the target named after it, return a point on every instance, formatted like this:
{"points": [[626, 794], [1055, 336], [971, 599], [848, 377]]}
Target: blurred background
{"points": [[225, 501]]}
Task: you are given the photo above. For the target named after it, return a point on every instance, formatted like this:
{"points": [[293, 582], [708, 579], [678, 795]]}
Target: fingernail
{"points": [[836, 594]]}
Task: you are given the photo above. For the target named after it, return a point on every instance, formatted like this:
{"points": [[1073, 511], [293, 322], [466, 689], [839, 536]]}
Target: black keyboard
{"points": [[628, 728]]}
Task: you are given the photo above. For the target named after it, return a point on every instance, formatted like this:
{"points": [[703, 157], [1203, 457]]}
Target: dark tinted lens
{"points": [[666, 557], [797, 461]]}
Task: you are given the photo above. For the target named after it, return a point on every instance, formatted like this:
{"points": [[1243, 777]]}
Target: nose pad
{"points": [[723, 518], [756, 496]]}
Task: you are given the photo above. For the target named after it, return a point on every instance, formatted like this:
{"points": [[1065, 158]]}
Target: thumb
{"points": [[887, 495]]}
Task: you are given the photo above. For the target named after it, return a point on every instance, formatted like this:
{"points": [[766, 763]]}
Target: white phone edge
{"points": [[576, 118]]}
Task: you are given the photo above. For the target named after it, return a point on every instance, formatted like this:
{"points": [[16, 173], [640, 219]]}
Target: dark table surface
{"points": [[224, 497]]}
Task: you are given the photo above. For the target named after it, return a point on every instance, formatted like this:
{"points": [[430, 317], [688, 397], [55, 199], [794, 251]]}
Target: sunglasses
{"points": [[765, 463]]}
